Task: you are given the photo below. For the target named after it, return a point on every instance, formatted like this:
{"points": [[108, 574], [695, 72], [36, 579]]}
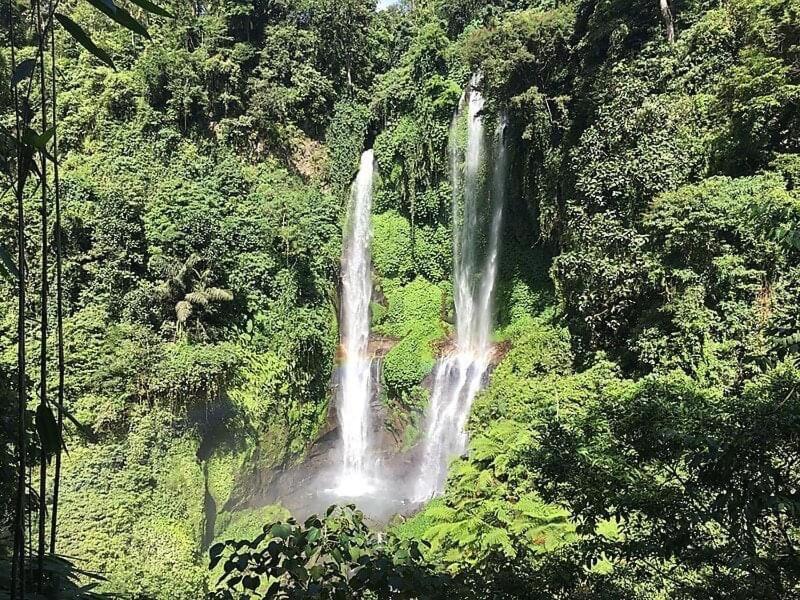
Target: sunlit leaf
{"points": [[281, 530]]}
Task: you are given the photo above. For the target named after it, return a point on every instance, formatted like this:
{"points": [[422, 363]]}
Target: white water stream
{"points": [[355, 389], [461, 374]]}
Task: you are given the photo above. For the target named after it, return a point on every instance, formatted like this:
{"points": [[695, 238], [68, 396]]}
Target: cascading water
{"points": [[355, 389], [460, 375]]}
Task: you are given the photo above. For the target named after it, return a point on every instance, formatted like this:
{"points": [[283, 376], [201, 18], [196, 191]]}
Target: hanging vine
{"points": [[35, 145]]}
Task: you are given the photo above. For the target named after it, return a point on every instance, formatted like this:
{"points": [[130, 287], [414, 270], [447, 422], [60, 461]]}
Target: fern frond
{"points": [[441, 513], [497, 538]]}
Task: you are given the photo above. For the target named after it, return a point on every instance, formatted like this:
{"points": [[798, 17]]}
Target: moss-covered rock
{"points": [[413, 317], [391, 248]]}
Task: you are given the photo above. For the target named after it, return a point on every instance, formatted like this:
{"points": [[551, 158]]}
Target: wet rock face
{"points": [[308, 487]]}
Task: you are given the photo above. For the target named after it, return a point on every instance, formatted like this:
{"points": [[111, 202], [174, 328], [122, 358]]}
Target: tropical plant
{"points": [[61, 578], [33, 152], [333, 557], [189, 286], [703, 485]]}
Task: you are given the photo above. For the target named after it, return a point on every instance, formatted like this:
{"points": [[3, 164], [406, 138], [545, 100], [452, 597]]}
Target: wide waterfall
{"points": [[355, 389], [461, 373]]}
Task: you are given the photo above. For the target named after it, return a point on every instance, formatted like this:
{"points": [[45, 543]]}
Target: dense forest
{"points": [[639, 433]]}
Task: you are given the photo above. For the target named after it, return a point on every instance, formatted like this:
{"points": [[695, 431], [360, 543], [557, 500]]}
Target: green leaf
{"points": [[281, 530], [120, 15], [298, 572], [313, 520], [153, 8], [110, 4], [80, 36], [23, 71], [251, 582], [316, 571], [215, 553], [415, 553], [7, 263], [38, 140], [312, 535], [47, 428]]}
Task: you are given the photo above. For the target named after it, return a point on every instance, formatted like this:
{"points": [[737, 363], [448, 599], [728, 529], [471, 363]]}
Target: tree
{"points": [[702, 484], [190, 287], [343, 27], [666, 15]]}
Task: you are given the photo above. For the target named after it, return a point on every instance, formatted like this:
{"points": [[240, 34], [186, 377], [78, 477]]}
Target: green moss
{"points": [[398, 254], [415, 307], [247, 523], [411, 435], [413, 317], [377, 312], [391, 246], [282, 415], [408, 363], [161, 561], [133, 510], [433, 252], [222, 469]]}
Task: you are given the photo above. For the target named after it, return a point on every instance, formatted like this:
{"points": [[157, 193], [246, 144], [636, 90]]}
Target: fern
{"points": [[441, 512], [497, 538]]}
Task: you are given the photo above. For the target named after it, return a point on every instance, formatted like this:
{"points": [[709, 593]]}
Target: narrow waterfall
{"points": [[355, 388], [460, 374]]}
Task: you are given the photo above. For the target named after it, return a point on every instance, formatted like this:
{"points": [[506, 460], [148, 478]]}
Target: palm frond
{"points": [[197, 297], [183, 310], [219, 294]]}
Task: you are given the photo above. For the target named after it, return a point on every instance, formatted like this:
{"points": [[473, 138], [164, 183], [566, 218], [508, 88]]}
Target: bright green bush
{"points": [[392, 256], [412, 317], [345, 140], [133, 509]]}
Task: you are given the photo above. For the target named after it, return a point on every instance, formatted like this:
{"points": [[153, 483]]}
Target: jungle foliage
{"points": [[640, 437]]}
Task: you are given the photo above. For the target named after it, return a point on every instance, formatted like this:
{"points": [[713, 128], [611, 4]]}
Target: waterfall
{"points": [[461, 373], [355, 389]]}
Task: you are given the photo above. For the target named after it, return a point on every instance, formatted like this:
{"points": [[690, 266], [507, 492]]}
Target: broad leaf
{"points": [[23, 71], [7, 263], [153, 8], [80, 36], [47, 428], [280, 530], [38, 140], [251, 582], [121, 16]]}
